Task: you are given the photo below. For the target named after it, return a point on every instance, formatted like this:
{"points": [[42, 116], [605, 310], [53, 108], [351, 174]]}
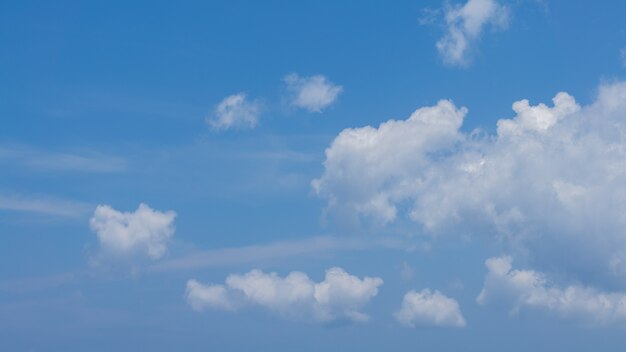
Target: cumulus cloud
{"points": [[429, 308], [295, 296], [550, 183], [528, 288], [313, 93], [235, 111], [465, 25], [145, 230]]}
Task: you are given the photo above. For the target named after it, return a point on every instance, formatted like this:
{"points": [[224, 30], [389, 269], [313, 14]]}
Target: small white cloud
{"points": [[465, 25], [528, 288], [339, 296], [429, 308], [235, 111], [144, 230], [622, 53], [313, 93]]}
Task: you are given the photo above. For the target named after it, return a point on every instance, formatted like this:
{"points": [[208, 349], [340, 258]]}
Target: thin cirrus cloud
{"points": [[532, 289], [314, 93], [44, 160], [465, 25], [340, 296], [550, 183], [43, 205], [283, 249], [429, 308], [235, 112], [145, 231]]}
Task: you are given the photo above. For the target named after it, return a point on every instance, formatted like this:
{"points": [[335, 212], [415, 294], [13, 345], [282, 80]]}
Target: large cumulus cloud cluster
{"points": [[550, 183]]}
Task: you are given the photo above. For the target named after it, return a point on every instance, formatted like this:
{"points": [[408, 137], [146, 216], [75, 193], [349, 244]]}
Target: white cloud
{"points": [[465, 25], [527, 288], [235, 111], [144, 230], [550, 183], [296, 296], [622, 53], [429, 308], [313, 93]]}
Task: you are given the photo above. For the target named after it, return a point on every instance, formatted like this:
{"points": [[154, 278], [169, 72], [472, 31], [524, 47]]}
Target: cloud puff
{"points": [[527, 288], [313, 93], [429, 308], [622, 53], [235, 111], [550, 183], [144, 230], [465, 25], [339, 296]]}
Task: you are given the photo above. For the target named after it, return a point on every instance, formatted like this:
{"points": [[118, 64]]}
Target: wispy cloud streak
{"points": [[255, 253]]}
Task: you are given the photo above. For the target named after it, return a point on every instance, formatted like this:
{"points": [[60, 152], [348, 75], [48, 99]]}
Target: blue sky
{"points": [[314, 175]]}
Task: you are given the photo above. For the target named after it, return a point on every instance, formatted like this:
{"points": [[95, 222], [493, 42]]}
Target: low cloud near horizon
{"points": [[339, 296]]}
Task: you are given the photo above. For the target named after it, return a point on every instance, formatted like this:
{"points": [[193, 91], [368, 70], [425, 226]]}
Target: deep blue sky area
{"points": [[109, 105]]}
